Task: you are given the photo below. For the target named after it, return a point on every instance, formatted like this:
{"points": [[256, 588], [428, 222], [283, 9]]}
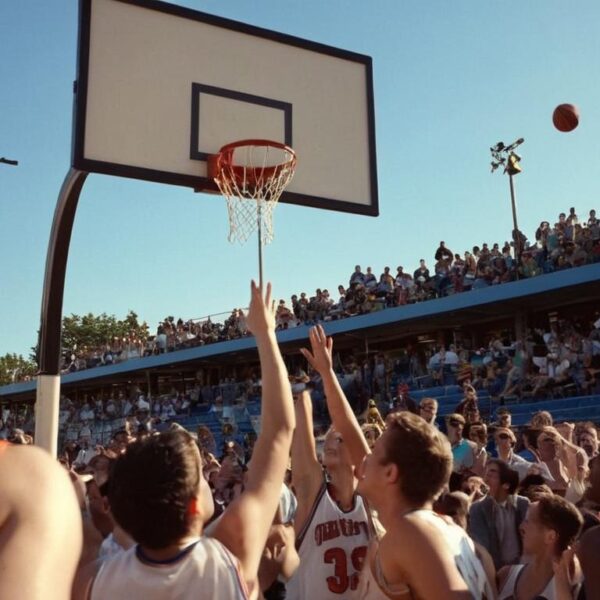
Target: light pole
{"points": [[506, 157]]}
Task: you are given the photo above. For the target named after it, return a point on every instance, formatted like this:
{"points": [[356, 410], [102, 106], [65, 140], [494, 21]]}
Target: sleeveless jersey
{"points": [[460, 545], [209, 570], [508, 589], [332, 546]]}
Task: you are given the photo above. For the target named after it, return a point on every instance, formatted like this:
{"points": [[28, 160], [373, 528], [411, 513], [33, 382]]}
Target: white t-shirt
{"points": [[208, 570]]}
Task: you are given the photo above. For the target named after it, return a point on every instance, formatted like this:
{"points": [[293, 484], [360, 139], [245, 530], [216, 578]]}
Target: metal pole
{"points": [[48, 381], [260, 258], [516, 236]]}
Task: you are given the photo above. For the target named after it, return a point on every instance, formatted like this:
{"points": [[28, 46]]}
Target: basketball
{"points": [[565, 117]]}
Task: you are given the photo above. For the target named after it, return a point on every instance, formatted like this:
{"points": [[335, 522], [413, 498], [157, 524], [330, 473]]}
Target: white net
{"points": [[252, 177]]}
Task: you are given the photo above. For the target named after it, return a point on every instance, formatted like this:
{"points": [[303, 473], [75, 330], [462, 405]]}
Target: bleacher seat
{"points": [[577, 408]]}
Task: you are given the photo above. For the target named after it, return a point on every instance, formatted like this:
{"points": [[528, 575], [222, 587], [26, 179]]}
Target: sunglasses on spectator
{"points": [[455, 423], [504, 436]]}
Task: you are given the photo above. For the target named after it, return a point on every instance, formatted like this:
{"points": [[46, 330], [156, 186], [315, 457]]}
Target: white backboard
{"points": [[161, 87]]}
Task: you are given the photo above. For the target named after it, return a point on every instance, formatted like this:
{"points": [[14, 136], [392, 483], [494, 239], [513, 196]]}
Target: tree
{"points": [[13, 367], [81, 334], [93, 332]]}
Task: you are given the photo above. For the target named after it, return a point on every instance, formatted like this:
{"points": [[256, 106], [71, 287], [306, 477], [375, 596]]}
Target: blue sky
{"points": [[451, 79]]}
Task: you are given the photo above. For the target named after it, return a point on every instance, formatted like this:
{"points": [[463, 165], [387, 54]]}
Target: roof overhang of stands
{"points": [[548, 292]]}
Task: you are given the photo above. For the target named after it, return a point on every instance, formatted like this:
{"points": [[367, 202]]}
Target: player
{"points": [[332, 524], [159, 495], [421, 553], [40, 526]]}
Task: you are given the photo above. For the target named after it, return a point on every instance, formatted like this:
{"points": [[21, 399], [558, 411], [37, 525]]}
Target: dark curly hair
{"points": [[151, 486]]}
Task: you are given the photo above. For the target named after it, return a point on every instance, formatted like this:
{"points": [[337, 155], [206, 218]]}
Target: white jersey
{"points": [[374, 587], [207, 570], [508, 589], [332, 546]]}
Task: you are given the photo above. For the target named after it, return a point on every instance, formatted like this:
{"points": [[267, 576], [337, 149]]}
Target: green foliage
{"points": [[81, 334], [93, 332], [13, 367]]}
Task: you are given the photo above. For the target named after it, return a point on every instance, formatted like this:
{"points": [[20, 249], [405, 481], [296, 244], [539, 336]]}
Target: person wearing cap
{"points": [[463, 450]]}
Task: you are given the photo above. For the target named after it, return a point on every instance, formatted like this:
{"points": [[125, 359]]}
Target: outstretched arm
{"points": [[246, 523], [339, 408], [307, 474]]}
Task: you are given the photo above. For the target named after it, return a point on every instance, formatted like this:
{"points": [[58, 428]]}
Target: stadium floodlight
{"points": [[505, 156]]}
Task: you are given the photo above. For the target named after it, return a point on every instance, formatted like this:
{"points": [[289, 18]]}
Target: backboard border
{"points": [[78, 160], [200, 88]]}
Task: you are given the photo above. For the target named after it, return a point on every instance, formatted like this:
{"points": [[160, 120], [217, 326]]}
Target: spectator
{"points": [[443, 253], [505, 442], [372, 433], [283, 315], [470, 268], [442, 275], [369, 280], [551, 526], [421, 275], [357, 277], [587, 439], [85, 454], [495, 521], [463, 451], [428, 409], [477, 433]]}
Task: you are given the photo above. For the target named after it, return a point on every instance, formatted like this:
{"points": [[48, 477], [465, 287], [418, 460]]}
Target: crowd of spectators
{"points": [[568, 243], [517, 499], [557, 360]]}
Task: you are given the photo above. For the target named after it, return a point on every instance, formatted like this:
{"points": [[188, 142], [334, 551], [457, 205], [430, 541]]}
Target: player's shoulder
{"points": [[414, 539], [39, 466], [420, 526]]}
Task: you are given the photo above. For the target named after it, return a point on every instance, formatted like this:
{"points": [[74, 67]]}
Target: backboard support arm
{"points": [[48, 380]]}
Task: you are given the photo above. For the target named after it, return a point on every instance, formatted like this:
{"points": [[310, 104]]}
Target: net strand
{"points": [[252, 190]]}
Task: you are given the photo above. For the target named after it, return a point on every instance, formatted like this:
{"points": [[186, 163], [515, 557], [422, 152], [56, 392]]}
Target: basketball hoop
{"points": [[252, 174]]}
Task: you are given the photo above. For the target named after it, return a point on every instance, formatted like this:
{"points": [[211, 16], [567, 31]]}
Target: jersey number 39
{"points": [[342, 579]]}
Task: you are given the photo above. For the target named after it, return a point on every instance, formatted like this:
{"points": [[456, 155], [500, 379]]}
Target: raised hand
{"points": [[261, 314], [321, 357]]}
